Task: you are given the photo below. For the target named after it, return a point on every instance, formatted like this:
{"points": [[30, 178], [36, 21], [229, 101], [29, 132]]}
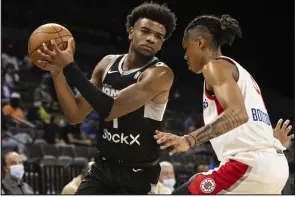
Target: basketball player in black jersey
{"points": [[130, 92]]}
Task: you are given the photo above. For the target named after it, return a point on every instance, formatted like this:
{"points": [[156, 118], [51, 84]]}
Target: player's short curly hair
{"points": [[155, 12]]}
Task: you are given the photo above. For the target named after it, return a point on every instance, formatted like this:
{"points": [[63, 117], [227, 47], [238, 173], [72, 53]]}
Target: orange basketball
{"points": [[44, 34]]}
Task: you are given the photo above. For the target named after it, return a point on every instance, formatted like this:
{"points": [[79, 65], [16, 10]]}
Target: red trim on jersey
{"points": [[256, 85], [219, 107], [224, 178], [210, 97], [258, 89]]}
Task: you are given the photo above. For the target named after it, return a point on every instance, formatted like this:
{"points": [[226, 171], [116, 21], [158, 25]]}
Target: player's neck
{"points": [[213, 54], [135, 60]]}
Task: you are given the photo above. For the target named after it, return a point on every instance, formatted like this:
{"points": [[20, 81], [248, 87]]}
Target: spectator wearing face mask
{"points": [[166, 181], [14, 171]]}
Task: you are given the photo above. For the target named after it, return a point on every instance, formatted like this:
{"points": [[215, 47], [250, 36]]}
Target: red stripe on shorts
{"points": [[219, 180]]}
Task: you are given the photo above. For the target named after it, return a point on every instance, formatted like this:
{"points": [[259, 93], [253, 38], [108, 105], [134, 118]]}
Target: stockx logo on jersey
{"points": [[107, 89], [120, 138]]}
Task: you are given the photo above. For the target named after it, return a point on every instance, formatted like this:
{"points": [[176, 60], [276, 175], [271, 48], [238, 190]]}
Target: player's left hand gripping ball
{"points": [[178, 143], [57, 58]]}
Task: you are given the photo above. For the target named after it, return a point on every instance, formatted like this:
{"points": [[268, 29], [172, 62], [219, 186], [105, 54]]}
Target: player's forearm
{"points": [[100, 101], [66, 98], [227, 121]]}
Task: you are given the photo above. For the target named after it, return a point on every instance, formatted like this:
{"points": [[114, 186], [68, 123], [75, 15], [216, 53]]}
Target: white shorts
{"points": [[255, 172]]}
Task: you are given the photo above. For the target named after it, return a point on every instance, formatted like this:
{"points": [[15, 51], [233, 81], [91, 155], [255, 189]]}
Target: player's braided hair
{"points": [[153, 11], [223, 30]]}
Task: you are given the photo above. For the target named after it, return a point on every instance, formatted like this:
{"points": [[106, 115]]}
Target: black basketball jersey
{"points": [[130, 137]]}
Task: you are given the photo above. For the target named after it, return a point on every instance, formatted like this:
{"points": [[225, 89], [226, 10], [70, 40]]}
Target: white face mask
{"points": [[169, 182], [17, 171]]}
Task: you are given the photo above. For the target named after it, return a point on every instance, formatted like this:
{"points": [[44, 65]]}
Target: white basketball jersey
{"points": [[257, 133]]}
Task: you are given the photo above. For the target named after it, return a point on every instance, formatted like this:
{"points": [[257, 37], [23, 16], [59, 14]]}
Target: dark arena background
{"points": [[53, 152]]}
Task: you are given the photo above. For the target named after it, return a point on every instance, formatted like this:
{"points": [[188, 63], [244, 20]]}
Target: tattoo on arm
{"points": [[228, 120]]}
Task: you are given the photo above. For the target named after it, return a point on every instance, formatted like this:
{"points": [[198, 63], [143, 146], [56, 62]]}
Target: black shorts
{"points": [[183, 189], [112, 177]]}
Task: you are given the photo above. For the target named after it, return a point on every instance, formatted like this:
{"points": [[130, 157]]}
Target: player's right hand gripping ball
{"points": [[44, 34]]}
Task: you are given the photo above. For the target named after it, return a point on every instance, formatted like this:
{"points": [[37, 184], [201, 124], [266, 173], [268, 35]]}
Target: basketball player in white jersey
{"points": [[236, 119]]}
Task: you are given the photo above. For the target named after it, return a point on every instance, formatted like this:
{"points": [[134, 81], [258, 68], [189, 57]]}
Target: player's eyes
{"points": [[159, 37], [144, 31]]}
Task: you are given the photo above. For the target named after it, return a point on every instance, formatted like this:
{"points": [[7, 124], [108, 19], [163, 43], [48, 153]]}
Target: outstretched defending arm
{"points": [[218, 75]]}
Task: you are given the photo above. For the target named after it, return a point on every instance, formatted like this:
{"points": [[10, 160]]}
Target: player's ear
{"points": [[200, 41], [130, 33]]}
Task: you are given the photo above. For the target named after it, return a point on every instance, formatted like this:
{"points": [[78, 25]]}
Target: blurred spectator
{"points": [[166, 181], [14, 171], [11, 76], [38, 114], [42, 93], [72, 186], [18, 140], [55, 130], [13, 108], [202, 167], [91, 125], [212, 166], [5, 92], [27, 63], [9, 59], [76, 136], [3, 122], [190, 123], [10, 136]]}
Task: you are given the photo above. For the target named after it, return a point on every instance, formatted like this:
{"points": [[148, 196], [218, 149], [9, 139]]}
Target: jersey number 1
{"points": [[115, 123]]}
